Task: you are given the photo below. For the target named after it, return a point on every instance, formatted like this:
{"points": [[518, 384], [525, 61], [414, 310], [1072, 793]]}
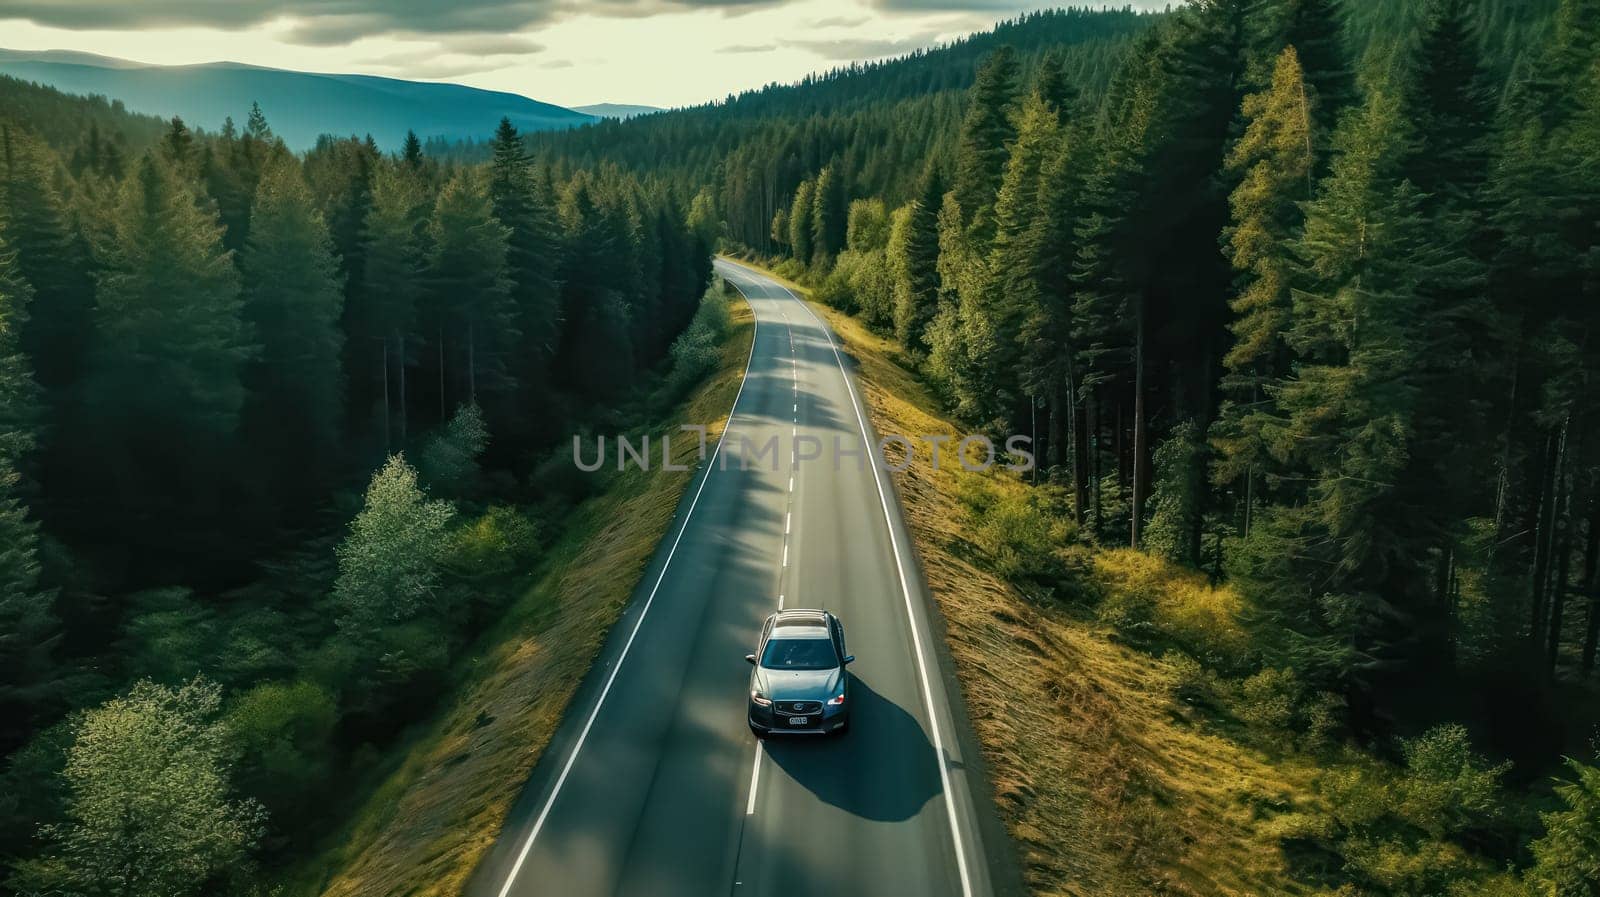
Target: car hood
{"points": [[797, 685]]}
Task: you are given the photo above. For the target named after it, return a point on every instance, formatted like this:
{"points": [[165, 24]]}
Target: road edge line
{"points": [[711, 463], [905, 590]]}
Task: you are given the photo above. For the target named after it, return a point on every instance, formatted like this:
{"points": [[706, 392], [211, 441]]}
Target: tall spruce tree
{"points": [[293, 300], [27, 624], [532, 258], [172, 344], [829, 216], [800, 222], [1274, 160], [471, 292], [981, 145], [392, 288], [917, 265]]}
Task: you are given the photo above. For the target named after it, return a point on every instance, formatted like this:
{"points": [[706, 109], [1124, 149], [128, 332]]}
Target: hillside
{"points": [[301, 105]]}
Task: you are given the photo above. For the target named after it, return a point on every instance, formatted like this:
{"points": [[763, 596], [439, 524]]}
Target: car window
{"points": [[799, 654]]}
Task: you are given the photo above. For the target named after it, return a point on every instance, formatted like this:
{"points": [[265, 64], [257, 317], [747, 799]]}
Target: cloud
{"points": [[839, 22], [846, 49], [747, 48], [338, 22], [557, 64]]}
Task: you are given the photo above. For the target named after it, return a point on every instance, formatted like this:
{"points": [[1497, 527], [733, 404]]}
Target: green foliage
{"points": [[293, 301], [448, 464], [501, 542], [829, 216], [1567, 856], [1404, 832], [388, 565], [1274, 159], [801, 213], [980, 158], [149, 808], [281, 732], [697, 350], [1178, 497]]}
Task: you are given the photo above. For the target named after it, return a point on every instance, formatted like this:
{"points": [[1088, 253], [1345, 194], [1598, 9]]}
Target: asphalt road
{"points": [[654, 785]]}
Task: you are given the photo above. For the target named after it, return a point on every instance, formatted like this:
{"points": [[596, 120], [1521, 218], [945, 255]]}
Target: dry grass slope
{"points": [[426, 827], [1108, 783]]}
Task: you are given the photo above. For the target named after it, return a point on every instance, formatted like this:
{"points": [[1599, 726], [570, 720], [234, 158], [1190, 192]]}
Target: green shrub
{"points": [[501, 541], [1568, 856], [698, 349], [282, 731]]}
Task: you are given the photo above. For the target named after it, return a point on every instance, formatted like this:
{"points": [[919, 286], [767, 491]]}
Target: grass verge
{"points": [[425, 827], [1108, 781]]}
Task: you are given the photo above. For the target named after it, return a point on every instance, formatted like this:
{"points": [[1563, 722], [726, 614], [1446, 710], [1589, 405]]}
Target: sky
{"points": [[569, 52]]}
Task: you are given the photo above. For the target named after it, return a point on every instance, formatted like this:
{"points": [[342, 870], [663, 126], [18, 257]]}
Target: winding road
{"points": [[654, 786]]}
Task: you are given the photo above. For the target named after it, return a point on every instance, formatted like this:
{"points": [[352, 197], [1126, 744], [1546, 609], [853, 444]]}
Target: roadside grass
{"points": [[1109, 782], [423, 830]]}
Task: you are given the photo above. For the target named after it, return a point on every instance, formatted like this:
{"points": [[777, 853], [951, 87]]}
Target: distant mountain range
{"points": [[300, 106], [616, 110]]}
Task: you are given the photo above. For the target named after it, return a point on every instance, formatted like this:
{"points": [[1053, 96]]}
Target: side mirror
{"points": [[750, 659], [851, 658]]}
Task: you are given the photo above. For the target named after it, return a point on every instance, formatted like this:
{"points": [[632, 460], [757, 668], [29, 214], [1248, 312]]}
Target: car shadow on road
{"points": [[883, 769]]}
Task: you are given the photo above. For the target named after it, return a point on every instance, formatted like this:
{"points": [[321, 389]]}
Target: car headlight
{"points": [[838, 699], [760, 699]]}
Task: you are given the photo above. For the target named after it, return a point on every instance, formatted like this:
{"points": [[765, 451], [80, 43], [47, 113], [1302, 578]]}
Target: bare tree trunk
{"points": [[387, 450], [472, 364], [1563, 543], [1140, 435], [1080, 450], [400, 353], [1056, 426], [1544, 516], [1591, 585], [1092, 457]]}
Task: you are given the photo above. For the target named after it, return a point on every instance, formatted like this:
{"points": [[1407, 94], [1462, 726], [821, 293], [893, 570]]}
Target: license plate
{"points": [[799, 720]]}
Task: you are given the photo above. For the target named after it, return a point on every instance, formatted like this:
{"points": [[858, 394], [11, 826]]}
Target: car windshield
{"points": [[799, 654]]}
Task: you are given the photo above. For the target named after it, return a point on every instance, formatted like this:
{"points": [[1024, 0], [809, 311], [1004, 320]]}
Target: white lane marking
{"points": [[780, 602], [786, 554], [791, 484], [905, 590], [788, 518], [605, 690], [755, 769]]}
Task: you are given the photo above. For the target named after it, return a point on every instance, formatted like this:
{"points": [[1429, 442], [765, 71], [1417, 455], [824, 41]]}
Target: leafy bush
{"points": [[497, 543], [1026, 532], [1148, 596], [1568, 856], [1404, 832], [698, 349], [282, 732], [448, 463]]}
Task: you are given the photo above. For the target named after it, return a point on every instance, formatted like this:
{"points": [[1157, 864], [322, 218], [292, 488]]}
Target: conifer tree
{"points": [[27, 624], [1315, 29], [171, 344], [531, 261], [829, 210], [50, 259], [800, 222], [917, 261], [411, 152], [981, 145], [293, 300], [1274, 160], [392, 287], [471, 292]]}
